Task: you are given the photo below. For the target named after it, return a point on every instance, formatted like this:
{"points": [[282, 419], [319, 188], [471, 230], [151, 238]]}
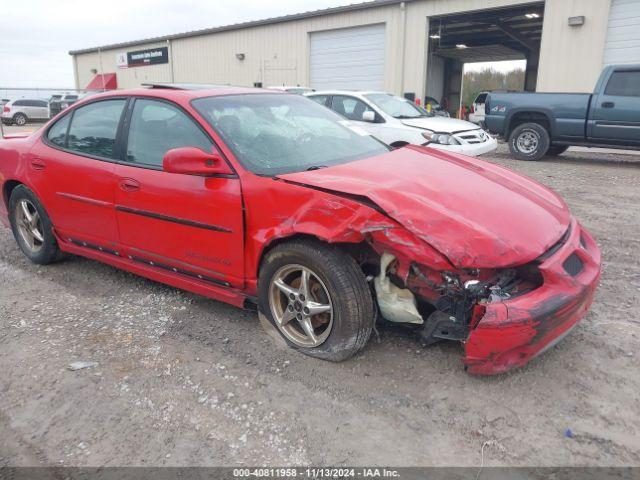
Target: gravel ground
{"points": [[176, 379]]}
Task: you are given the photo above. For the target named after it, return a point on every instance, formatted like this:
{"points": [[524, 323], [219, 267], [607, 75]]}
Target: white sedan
{"points": [[398, 122]]}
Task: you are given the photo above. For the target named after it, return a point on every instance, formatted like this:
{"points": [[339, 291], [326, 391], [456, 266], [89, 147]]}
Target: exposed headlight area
{"points": [[456, 301], [440, 138]]}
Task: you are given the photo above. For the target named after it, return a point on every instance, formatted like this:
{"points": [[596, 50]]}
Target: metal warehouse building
{"points": [[414, 47]]}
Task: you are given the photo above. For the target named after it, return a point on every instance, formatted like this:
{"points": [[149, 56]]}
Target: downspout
{"points": [[403, 44], [76, 79], [101, 69], [170, 47]]}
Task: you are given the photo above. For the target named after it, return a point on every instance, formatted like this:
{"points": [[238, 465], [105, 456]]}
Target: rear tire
{"points": [[32, 227], [555, 150], [20, 119], [529, 141], [335, 284]]}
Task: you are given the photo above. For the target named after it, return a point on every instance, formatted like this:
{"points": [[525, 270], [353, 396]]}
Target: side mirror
{"points": [[369, 116], [193, 161]]}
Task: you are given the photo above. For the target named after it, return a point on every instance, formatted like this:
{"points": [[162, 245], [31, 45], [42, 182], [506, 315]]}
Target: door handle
{"points": [[608, 104], [129, 185], [38, 164]]}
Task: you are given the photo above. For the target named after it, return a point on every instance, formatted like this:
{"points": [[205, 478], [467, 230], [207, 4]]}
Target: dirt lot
{"points": [[182, 380]]}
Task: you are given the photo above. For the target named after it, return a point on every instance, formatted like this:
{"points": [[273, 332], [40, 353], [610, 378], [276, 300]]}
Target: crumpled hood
{"points": [[477, 214], [440, 124]]}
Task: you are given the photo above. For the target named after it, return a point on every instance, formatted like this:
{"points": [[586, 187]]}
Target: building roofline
{"points": [[238, 26]]}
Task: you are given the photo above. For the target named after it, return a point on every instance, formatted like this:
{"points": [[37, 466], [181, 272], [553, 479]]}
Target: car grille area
{"points": [[473, 137]]}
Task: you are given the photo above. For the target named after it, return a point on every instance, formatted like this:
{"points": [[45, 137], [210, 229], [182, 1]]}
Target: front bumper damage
{"points": [[514, 331], [501, 332]]}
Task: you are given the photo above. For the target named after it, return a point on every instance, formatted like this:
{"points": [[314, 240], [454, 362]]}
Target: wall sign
{"points": [[121, 60], [141, 58]]}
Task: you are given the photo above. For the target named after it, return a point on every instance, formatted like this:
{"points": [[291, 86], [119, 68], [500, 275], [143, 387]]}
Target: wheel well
{"points": [[362, 252], [529, 117], [7, 189]]}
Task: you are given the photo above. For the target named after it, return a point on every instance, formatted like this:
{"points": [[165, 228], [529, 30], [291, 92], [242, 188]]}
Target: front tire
{"points": [[32, 227], [317, 298], [529, 141]]}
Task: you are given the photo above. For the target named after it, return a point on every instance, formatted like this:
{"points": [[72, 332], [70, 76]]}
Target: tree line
{"points": [[475, 82]]}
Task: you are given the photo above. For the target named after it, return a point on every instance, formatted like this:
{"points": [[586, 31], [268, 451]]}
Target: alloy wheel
{"points": [[29, 225], [301, 305]]}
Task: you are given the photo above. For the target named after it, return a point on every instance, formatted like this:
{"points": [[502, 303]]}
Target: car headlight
{"points": [[440, 138]]}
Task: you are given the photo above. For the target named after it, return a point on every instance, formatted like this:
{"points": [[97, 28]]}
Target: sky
{"points": [[36, 35]]}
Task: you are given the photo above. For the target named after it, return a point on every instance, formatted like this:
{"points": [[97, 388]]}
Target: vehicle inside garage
{"points": [[482, 36]]}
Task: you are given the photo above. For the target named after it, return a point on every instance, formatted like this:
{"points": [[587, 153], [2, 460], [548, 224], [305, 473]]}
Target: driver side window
{"points": [[349, 107], [157, 127]]}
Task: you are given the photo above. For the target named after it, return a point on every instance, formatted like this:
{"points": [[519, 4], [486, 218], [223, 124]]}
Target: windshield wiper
{"points": [[407, 117], [315, 167]]}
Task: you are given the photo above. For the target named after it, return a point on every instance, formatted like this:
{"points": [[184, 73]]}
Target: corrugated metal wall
{"points": [[571, 57], [127, 78], [279, 53], [274, 54]]}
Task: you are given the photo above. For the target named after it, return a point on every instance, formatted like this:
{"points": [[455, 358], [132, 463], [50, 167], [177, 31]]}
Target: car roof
{"points": [[347, 92], [284, 87], [26, 98], [184, 91]]}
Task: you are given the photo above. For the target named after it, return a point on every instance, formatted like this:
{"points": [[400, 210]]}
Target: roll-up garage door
{"points": [[349, 58], [623, 34]]}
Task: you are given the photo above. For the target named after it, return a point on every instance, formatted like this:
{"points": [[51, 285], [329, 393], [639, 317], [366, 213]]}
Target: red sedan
{"points": [[267, 199]]}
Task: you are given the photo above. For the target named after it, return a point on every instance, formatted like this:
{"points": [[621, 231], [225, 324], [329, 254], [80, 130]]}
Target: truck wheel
{"points": [[529, 141], [555, 150], [318, 299]]}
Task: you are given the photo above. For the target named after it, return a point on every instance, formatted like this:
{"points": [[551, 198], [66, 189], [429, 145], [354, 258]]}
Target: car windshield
{"points": [[272, 134], [397, 107]]}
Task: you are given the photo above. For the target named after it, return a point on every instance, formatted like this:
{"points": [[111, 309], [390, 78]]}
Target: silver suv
{"points": [[24, 110]]}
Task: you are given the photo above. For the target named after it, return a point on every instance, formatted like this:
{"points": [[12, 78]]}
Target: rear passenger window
{"points": [[93, 128], [157, 127], [624, 84], [58, 133]]}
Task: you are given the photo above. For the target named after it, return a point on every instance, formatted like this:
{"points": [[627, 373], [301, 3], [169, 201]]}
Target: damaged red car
{"points": [[269, 200]]}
